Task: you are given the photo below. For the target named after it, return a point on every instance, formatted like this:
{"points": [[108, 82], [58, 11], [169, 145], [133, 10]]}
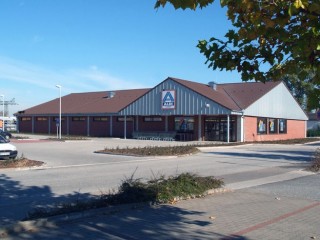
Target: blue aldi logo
{"points": [[168, 99]]}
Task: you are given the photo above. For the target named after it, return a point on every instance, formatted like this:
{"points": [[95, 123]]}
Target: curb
{"points": [[54, 221]]}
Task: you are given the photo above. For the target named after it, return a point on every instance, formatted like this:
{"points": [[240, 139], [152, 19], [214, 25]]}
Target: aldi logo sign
{"points": [[168, 99]]}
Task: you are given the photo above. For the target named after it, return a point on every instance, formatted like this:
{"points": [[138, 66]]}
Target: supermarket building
{"points": [[175, 109]]}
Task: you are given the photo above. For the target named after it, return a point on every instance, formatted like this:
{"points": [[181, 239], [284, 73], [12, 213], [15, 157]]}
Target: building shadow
{"points": [[17, 200], [295, 156], [141, 222]]}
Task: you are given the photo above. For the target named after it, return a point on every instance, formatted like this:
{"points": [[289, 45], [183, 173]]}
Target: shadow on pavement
{"points": [[17, 200], [160, 222], [297, 156], [146, 222]]}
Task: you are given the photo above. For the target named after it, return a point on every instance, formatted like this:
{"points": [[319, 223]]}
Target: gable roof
{"points": [[88, 102], [234, 96]]}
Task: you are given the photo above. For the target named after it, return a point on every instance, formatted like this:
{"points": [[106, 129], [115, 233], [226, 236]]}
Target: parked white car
{"points": [[7, 150]]}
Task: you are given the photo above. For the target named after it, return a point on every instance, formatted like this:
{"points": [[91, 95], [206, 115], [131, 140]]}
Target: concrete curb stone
{"points": [[50, 222]]}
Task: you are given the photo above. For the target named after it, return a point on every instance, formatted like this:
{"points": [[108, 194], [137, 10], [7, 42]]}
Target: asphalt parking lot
{"points": [[269, 187]]}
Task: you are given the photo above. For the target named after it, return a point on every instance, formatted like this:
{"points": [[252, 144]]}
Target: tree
{"points": [[270, 38], [303, 91]]}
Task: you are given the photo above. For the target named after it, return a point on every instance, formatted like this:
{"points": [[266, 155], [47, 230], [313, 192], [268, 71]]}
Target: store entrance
{"points": [[216, 129]]}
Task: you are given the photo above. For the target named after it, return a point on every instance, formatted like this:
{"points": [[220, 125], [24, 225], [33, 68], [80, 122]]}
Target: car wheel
{"points": [[7, 137]]}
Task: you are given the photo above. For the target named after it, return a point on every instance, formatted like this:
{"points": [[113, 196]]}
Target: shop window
{"points": [[26, 119], [272, 126], [78, 119], [184, 124], [262, 126], [152, 119], [100, 119], [41, 119], [128, 119], [282, 126]]}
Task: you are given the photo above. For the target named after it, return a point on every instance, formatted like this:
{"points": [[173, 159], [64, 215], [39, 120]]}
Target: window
{"points": [[41, 119], [262, 123], [282, 126], [128, 119], [100, 119], [184, 124], [153, 119], [56, 119], [26, 119], [78, 119], [272, 125]]}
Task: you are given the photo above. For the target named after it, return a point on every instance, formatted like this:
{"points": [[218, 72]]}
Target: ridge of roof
{"points": [[219, 96], [234, 96]]}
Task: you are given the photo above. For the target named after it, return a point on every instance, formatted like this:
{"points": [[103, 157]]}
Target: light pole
{"points": [[2, 112], [59, 86], [2, 106]]}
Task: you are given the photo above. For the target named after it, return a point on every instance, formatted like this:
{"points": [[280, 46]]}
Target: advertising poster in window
{"points": [[168, 99], [281, 126], [261, 126]]}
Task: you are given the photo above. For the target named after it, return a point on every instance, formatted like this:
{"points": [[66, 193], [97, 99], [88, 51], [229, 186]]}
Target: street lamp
{"points": [[2, 111], [2, 106], [59, 86]]}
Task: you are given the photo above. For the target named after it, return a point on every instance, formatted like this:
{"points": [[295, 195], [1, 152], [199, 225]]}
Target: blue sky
{"points": [[101, 45]]}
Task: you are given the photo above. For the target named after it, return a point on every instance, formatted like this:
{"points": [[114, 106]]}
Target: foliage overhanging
{"points": [[270, 39]]}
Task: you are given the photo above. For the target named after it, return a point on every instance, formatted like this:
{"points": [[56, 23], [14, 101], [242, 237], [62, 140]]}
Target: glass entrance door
{"points": [[216, 128]]}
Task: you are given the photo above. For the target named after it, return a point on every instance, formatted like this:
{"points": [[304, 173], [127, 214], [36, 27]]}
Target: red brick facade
{"points": [[295, 129]]}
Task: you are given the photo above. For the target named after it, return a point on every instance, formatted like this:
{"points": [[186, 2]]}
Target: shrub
{"points": [[315, 165], [313, 133], [156, 190]]}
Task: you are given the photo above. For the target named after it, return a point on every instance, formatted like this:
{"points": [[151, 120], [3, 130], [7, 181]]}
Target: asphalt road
{"points": [[73, 171]]}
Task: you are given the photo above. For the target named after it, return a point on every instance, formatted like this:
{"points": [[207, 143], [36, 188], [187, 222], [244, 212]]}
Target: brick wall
{"points": [[295, 129], [99, 128], [151, 126], [25, 126]]}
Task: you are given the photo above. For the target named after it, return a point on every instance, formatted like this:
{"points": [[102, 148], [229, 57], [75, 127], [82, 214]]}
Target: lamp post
{"points": [[59, 86], [2, 111], [2, 106]]}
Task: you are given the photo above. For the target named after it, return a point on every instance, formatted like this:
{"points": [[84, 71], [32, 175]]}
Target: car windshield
{"points": [[3, 140]]}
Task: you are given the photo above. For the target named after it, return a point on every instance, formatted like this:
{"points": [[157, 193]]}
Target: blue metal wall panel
{"points": [[278, 103], [187, 102]]}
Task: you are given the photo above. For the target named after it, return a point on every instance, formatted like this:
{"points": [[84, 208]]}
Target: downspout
{"points": [[32, 123], [111, 125], [49, 125], [228, 128], [137, 124], [125, 126], [88, 126], [68, 124], [242, 128], [199, 128]]}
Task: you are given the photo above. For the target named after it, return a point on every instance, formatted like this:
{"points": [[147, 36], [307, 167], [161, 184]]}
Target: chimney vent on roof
{"points": [[213, 85], [111, 94]]}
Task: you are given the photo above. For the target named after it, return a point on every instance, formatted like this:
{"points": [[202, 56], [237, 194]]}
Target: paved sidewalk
{"points": [[242, 214]]}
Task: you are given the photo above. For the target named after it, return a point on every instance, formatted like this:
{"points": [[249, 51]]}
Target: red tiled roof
{"points": [[89, 102], [234, 96], [246, 93], [219, 96]]}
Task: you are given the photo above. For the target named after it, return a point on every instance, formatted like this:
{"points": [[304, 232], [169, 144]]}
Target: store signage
{"points": [[168, 99]]}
